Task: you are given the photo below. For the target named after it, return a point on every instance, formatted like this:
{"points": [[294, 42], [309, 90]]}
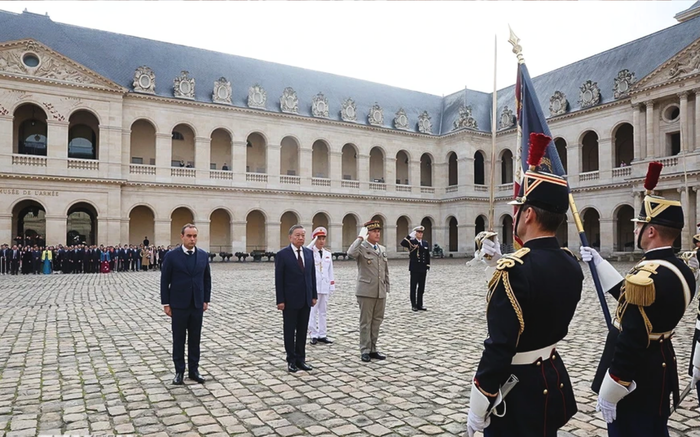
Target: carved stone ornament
{"points": [[319, 106], [623, 83], [257, 97], [289, 102], [222, 91], [144, 80], [507, 119], [183, 86], [465, 119], [558, 104], [689, 63], [376, 115], [589, 94], [425, 126], [349, 111], [401, 120]]}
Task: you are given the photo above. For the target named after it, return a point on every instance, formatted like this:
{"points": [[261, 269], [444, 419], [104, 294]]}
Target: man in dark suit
{"points": [[4, 263], [295, 285], [36, 260], [15, 256], [185, 291], [419, 265]]}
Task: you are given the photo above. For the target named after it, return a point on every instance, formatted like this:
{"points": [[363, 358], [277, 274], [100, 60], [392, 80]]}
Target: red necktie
{"points": [[299, 260]]}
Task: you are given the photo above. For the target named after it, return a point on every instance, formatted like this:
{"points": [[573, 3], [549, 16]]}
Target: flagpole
{"points": [[494, 111], [517, 49]]}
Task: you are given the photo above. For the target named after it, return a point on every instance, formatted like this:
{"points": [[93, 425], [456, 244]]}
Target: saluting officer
{"points": [[531, 300], [638, 371], [419, 264]]}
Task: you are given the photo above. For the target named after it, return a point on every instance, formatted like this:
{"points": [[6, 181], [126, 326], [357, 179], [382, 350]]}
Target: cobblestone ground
{"points": [[83, 354]]}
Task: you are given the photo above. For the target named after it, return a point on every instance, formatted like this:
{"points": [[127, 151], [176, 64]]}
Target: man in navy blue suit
{"points": [[295, 285], [185, 290]]}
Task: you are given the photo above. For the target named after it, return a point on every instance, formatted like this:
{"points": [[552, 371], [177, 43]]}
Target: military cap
{"points": [[419, 229], [656, 209], [372, 224], [319, 232]]}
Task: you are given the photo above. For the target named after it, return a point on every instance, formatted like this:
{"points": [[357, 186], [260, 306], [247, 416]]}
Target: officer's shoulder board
{"points": [[567, 250], [505, 263], [509, 260], [639, 283]]}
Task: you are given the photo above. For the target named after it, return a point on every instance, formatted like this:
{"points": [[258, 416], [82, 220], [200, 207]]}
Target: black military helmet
{"points": [[656, 209]]}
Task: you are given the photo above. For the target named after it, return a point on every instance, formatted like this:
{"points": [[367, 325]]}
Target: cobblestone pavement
{"points": [[84, 354]]}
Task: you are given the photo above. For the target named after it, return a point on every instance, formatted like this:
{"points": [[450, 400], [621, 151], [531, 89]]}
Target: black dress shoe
{"points": [[179, 379], [314, 340], [292, 367], [414, 308], [366, 358], [423, 308], [195, 376], [377, 356], [303, 366], [324, 340]]}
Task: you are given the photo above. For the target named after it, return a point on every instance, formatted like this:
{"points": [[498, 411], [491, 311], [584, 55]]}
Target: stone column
{"points": [[573, 162], [440, 177], [56, 147], [575, 243], [238, 161], [202, 158], [606, 158], [204, 233], [126, 152], [273, 163], [689, 229], [272, 236], [124, 224], [363, 171], [6, 230], [56, 229], [414, 174], [686, 140], [305, 166], [238, 236], [164, 156], [162, 231], [335, 172], [637, 202], [390, 172], [109, 151], [636, 110], [441, 236], [465, 176], [697, 120], [465, 238], [650, 132], [6, 147], [335, 236]]}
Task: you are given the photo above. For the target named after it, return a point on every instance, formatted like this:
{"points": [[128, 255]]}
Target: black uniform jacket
{"points": [[530, 307], [631, 355], [419, 254]]}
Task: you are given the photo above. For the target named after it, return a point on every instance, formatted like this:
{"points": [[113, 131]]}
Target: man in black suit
{"points": [[4, 252], [15, 256], [146, 243], [419, 265], [295, 285], [36, 260], [185, 291]]}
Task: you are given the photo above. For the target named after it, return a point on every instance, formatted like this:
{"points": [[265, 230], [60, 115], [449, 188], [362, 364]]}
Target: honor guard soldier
{"points": [[638, 373], [419, 264], [521, 387], [325, 285]]}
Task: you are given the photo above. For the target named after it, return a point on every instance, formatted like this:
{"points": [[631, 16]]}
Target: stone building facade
{"points": [[113, 141]]}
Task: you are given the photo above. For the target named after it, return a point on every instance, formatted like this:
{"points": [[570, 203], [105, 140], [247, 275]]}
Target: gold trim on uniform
{"points": [[639, 288], [567, 250], [504, 263]]}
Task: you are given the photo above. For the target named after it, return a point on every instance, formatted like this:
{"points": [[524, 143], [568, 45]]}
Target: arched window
{"points": [[453, 178], [82, 142], [560, 144], [624, 145], [590, 152], [30, 130], [506, 167], [479, 176]]}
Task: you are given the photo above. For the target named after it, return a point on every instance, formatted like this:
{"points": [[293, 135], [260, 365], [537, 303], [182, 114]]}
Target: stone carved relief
{"points": [[623, 83], [222, 91], [507, 119], [376, 115], [401, 120], [558, 104], [53, 112], [589, 94], [465, 119], [289, 102], [183, 86], [689, 63], [3, 110], [319, 106], [144, 80], [425, 126], [257, 97], [349, 111]]}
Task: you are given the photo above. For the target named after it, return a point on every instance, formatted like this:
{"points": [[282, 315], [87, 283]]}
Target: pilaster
{"points": [[650, 131], [164, 156]]}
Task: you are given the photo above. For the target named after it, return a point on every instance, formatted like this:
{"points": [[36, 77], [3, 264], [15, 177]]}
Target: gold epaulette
{"points": [[501, 274], [508, 260], [639, 285], [567, 250]]}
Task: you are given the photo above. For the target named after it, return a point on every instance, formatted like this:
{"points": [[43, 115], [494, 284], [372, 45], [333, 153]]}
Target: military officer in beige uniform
{"points": [[372, 287]]}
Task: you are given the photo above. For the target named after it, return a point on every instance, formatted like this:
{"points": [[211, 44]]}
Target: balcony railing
{"points": [[377, 186], [320, 182], [403, 188], [452, 189], [142, 169], [290, 180], [481, 188], [349, 184], [669, 162], [32, 160], [505, 187], [256, 177], [589, 175], [183, 172], [622, 171], [220, 174], [83, 164], [427, 190]]}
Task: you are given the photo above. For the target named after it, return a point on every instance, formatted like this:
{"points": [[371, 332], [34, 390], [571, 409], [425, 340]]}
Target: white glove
{"points": [[608, 409], [363, 233], [588, 254], [412, 234], [696, 375], [490, 248], [476, 423], [693, 263]]}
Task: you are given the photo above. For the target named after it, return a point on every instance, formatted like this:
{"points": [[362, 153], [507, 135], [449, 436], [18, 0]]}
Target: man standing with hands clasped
{"points": [[325, 285], [372, 287], [295, 286], [185, 291], [419, 264]]}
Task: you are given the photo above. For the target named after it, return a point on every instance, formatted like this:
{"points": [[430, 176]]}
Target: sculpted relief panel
{"points": [[465, 119]]}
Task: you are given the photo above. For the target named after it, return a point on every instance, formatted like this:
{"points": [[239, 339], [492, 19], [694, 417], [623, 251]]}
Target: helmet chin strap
{"points": [[639, 235], [517, 220]]}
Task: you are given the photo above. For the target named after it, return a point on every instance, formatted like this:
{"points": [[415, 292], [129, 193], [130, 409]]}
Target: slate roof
{"points": [[116, 56]]}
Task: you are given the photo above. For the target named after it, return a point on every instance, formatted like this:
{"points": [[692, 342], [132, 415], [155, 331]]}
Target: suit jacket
{"points": [[419, 254], [179, 285], [294, 287], [372, 269]]}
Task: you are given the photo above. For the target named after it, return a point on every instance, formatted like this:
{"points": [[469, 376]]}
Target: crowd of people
{"points": [[27, 258]]}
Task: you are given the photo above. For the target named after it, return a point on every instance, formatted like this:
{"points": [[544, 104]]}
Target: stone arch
{"points": [[81, 223], [256, 153], [142, 221], [479, 226], [288, 219], [426, 170], [452, 169], [506, 166], [376, 164], [589, 151], [183, 146], [220, 230], [402, 229], [83, 135], [403, 158], [452, 234], [351, 226], [179, 217], [506, 236], [29, 130], [591, 226], [142, 143], [349, 162], [320, 159], [428, 224], [479, 168], [255, 230], [289, 156], [623, 228], [624, 144], [29, 218], [560, 144], [220, 157]]}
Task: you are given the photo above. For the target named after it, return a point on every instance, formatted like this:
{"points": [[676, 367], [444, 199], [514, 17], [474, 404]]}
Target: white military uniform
{"points": [[325, 284]]}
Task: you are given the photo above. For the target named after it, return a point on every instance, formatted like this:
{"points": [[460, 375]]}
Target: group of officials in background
{"points": [[80, 258]]}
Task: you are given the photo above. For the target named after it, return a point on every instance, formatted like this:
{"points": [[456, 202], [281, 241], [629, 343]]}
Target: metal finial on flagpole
{"points": [[517, 48]]}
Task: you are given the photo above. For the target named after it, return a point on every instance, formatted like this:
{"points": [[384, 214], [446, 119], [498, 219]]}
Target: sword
{"points": [[688, 388], [505, 389]]}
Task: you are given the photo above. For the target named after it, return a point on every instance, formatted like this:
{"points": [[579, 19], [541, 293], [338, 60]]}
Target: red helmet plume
{"points": [[538, 145], [653, 174]]}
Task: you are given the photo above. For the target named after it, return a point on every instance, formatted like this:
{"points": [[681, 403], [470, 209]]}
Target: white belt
{"points": [[530, 357], [654, 335]]}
